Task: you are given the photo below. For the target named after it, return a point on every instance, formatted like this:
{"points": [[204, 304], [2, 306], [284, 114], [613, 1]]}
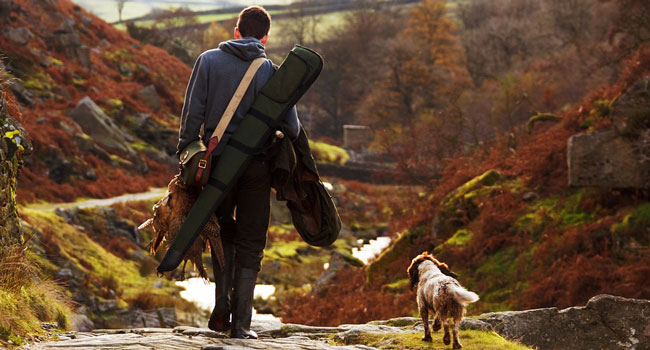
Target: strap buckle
{"points": [[203, 163]]}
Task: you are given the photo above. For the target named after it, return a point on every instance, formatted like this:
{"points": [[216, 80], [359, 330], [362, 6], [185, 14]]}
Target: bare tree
{"points": [[120, 7], [302, 25]]}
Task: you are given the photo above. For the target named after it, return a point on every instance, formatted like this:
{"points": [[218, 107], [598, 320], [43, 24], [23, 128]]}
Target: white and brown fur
{"points": [[439, 292]]}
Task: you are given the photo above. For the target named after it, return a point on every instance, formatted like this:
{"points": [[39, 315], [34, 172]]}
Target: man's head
{"points": [[254, 22]]}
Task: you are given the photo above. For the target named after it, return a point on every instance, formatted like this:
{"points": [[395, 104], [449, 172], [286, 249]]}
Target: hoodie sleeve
{"points": [[292, 124], [196, 97]]}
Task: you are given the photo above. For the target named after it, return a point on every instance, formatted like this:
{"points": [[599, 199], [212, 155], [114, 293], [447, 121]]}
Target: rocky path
{"points": [[273, 335], [605, 322]]}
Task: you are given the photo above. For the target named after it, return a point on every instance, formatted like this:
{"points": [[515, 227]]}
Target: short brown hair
{"points": [[254, 21]]}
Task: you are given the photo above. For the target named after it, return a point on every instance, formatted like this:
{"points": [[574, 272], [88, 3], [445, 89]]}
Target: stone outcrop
{"points": [[617, 157], [20, 35], [154, 133], [68, 41], [94, 122], [150, 97], [606, 322], [607, 160]]}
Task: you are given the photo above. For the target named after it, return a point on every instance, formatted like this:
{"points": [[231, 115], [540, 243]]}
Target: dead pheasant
{"points": [[168, 216]]}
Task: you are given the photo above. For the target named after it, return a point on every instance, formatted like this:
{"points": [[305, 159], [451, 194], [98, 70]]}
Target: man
{"points": [[215, 77]]}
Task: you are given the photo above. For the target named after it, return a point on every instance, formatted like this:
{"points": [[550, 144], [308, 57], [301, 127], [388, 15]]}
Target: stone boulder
{"points": [[150, 97], [22, 95], [155, 134], [68, 42], [605, 159], [81, 323], [59, 168], [94, 122], [20, 35], [606, 322]]}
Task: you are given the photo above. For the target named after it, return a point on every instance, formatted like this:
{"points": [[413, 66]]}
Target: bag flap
{"points": [[317, 220], [191, 150]]}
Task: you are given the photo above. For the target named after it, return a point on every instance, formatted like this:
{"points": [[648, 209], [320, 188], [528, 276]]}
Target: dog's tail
{"points": [[463, 296]]}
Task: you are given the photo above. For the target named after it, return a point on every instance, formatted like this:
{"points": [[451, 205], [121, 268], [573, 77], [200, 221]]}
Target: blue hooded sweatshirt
{"points": [[215, 77]]}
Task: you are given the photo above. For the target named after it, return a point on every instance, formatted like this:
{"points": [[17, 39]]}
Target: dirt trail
{"points": [[153, 193]]}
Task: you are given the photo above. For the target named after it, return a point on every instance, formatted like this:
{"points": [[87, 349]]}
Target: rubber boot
{"points": [[242, 309], [220, 317]]}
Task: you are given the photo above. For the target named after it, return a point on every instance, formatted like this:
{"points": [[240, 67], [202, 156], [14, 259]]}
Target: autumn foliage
{"points": [[119, 67]]}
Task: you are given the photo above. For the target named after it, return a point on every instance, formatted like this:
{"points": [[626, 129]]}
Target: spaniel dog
{"points": [[439, 292]]}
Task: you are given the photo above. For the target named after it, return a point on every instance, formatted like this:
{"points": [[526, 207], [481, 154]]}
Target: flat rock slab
{"points": [[173, 341], [605, 323], [604, 159]]}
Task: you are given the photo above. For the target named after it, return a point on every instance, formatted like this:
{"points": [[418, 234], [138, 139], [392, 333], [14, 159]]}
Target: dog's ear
{"points": [[414, 274], [445, 271]]}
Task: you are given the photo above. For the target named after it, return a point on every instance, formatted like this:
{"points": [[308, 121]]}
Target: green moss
{"points": [[564, 212], [462, 204], [56, 62], [117, 103], [533, 223], [634, 225], [278, 231], [498, 290], [380, 268], [40, 81], [460, 238], [541, 117], [489, 178], [119, 56], [283, 250], [79, 83], [326, 153], [398, 286], [470, 339], [119, 161], [143, 146], [602, 108]]}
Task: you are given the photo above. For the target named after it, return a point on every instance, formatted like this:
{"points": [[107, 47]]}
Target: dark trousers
{"points": [[244, 214]]}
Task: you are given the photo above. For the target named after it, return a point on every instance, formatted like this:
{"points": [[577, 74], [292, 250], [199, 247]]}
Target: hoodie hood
{"points": [[246, 49]]}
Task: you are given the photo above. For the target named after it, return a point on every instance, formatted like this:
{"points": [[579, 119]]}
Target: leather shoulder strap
{"points": [[236, 98]]}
